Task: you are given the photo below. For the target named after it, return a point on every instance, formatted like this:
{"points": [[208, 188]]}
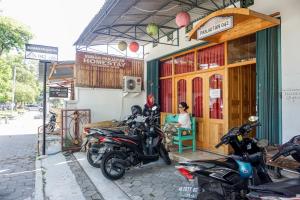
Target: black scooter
{"points": [[94, 144], [289, 188], [228, 178], [144, 147]]}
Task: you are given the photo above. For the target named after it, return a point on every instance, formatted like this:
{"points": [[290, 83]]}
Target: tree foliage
{"points": [[27, 86], [13, 35], [5, 78]]}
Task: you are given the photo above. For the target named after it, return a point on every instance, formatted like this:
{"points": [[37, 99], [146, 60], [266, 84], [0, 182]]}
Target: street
{"points": [[17, 158]]}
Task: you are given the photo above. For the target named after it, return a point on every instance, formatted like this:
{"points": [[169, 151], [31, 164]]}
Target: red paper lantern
{"points": [[134, 46], [183, 19]]}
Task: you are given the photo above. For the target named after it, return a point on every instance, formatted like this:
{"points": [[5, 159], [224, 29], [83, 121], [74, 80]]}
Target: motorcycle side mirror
{"points": [[263, 143], [154, 108], [253, 118]]}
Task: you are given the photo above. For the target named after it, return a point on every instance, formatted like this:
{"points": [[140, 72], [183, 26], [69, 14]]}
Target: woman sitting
{"points": [[184, 121]]}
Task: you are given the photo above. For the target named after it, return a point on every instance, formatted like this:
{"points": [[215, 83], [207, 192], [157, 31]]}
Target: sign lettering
{"points": [[40, 52], [58, 92], [214, 26], [98, 60]]}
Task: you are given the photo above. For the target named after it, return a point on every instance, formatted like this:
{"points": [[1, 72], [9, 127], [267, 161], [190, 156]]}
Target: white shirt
{"points": [[184, 120]]}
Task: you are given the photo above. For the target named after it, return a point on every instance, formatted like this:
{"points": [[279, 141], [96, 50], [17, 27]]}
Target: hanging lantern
{"points": [[152, 29], [183, 19], [122, 45], [134, 46]]}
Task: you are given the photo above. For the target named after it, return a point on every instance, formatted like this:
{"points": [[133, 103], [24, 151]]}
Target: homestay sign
{"points": [[214, 26], [98, 60]]}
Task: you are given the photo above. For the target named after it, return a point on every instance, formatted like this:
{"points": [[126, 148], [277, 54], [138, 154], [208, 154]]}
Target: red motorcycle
{"points": [[143, 147]]}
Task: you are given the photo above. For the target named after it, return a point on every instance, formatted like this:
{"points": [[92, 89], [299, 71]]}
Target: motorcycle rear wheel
{"points": [[209, 196], [107, 162], [164, 154]]}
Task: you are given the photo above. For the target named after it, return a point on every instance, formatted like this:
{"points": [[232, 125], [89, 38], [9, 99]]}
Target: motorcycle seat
{"points": [[207, 164], [287, 188], [130, 137], [109, 131]]}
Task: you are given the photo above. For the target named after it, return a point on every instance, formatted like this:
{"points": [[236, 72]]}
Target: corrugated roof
{"points": [[115, 19]]}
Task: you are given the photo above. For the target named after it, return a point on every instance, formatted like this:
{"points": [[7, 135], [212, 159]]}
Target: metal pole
{"points": [[13, 89], [44, 109]]}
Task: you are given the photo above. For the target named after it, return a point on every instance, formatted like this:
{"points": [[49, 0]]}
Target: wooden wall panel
{"points": [[241, 94], [104, 71], [234, 94]]}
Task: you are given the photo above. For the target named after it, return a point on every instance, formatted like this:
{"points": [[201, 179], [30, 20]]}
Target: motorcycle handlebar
{"points": [[284, 152], [219, 144]]}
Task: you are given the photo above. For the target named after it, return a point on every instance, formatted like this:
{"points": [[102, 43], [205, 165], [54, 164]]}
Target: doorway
{"points": [[204, 93]]}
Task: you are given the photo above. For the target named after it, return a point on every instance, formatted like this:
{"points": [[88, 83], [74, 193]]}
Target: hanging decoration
{"points": [[134, 46], [152, 29], [183, 19], [122, 45]]}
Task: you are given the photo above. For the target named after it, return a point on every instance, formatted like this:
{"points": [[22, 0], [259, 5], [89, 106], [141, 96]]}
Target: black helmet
{"points": [[136, 110]]}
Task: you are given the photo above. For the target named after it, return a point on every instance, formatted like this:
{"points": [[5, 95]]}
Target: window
{"points": [[211, 57], [181, 86], [242, 49], [197, 92], [166, 95], [184, 64], [216, 96], [165, 68]]}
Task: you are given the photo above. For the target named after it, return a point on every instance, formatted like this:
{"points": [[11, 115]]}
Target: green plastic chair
{"points": [[171, 118]]}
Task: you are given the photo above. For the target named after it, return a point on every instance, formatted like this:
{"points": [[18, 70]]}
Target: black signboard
{"points": [[58, 92]]}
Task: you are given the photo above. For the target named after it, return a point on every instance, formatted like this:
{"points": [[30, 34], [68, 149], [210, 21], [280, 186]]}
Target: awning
{"points": [[61, 73], [244, 22], [127, 19]]}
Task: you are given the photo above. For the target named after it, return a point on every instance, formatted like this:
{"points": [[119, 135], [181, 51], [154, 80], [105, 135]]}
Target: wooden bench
{"points": [[178, 140]]}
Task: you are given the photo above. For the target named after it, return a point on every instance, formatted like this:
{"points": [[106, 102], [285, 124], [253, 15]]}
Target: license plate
{"points": [[188, 192]]}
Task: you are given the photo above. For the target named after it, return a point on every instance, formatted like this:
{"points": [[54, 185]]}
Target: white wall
{"points": [[106, 104], [290, 42]]}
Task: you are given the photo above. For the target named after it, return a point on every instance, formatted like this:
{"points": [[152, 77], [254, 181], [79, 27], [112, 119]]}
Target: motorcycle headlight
{"points": [[93, 140]]}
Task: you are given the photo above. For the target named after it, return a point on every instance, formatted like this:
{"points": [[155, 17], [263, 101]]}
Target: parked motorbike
{"points": [[51, 125], [142, 148], [94, 144], [229, 178], [289, 188]]}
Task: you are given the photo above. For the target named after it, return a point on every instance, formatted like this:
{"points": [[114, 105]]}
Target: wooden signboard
{"points": [[231, 23], [105, 71]]}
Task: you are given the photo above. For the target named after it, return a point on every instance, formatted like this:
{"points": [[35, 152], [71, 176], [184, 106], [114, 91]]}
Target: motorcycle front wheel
{"points": [[111, 166], [164, 154], [90, 156]]}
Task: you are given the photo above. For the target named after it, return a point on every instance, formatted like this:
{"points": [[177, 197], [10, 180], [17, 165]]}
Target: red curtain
{"points": [[216, 96], [211, 57], [184, 64], [166, 68], [166, 95], [181, 87], [197, 97]]}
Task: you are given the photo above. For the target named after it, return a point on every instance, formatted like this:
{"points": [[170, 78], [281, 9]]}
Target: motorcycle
{"points": [[229, 178], [94, 145], [289, 188], [50, 127], [144, 147]]}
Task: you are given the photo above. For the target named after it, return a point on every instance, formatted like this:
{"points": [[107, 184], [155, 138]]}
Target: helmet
{"points": [[136, 110]]}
